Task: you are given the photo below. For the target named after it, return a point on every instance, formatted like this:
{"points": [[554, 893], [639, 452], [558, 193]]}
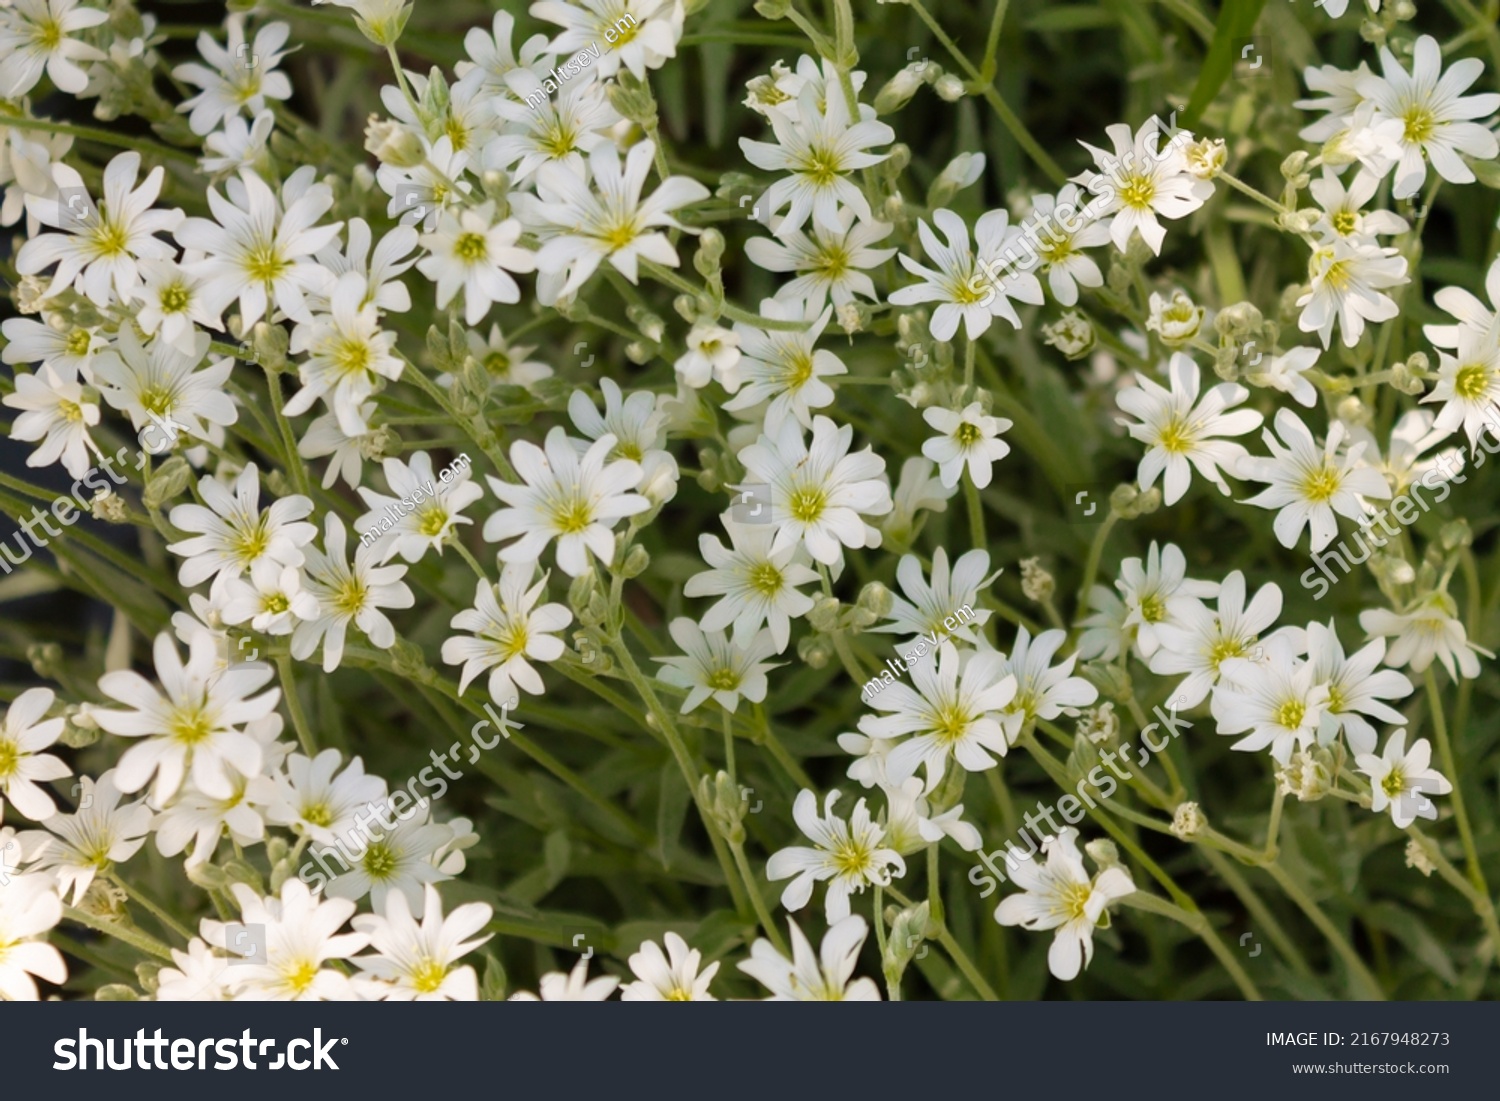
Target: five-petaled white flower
{"points": [[1183, 432], [1401, 779], [848, 856], [506, 627], [1059, 894]]}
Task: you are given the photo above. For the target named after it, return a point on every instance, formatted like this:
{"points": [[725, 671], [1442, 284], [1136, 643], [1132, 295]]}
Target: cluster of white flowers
{"points": [[507, 185]]}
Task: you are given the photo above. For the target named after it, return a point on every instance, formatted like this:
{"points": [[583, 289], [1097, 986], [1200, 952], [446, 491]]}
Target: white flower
{"points": [[29, 907], [1468, 311], [1277, 698], [1146, 175], [575, 986], [161, 385], [1059, 246], [1425, 116], [192, 724], [1176, 320], [1343, 211], [300, 938], [818, 149], [99, 252], [171, 306], [616, 224], [1355, 687], [421, 193], [927, 609], [200, 975], [1058, 894], [1428, 629], [241, 76], [757, 585], [55, 412], [1158, 595], [809, 977], [233, 532], [575, 500], [1468, 384], [967, 439], [970, 287], [848, 856], [1205, 639], [311, 800], [955, 706], [492, 55], [503, 362], [76, 847], [819, 493], [636, 34], [916, 489], [1341, 98], [70, 349], [1311, 486], [712, 353], [717, 665], [560, 130], [421, 513], [1345, 283], [673, 976], [830, 265], [783, 368], [639, 427], [193, 818], [1043, 690], [347, 451], [273, 601], [24, 733], [414, 962], [1181, 431], [345, 350], [381, 267], [240, 144], [348, 595], [507, 628], [395, 858], [910, 824], [472, 252], [1286, 373], [1401, 779], [35, 36], [256, 254]]}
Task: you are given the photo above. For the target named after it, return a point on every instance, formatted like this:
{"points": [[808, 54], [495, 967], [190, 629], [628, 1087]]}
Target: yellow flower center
{"points": [[351, 356], [807, 504], [433, 520], [559, 140], [72, 412], [428, 976], [276, 603], [251, 544], [799, 368], [1138, 192], [723, 680], [350, 597], [379, 862], [619, 235], [156, 399], [967, 434], [851, 857], [79, 342], [48, 34], [1344, 222], [191, 727], [10, 757], [497, 364], [1290, 714], [572, 517], [318, 814], [1394, 783], [1321, 484], [110, 239], [833, 263], [1225, 648], [765, 579], [457, 133], [1153, 608], [1471, 382], [1074, 900], [264, 264], [300, 975], [821, 166], [174, 298], [949, 724], [471, 247], [677, 994], [1175, 437], [1420, 124]]}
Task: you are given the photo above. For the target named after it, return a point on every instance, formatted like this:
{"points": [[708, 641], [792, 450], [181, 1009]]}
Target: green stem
{"points": [[294, 705], [1450, 766], [133, 937]]}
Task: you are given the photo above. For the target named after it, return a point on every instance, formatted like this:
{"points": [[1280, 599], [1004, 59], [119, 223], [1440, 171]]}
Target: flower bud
{"points": [[899, 89], [1036, 583], [949, 88], [1188, 821], [877, 598], [392, 143], [1072, 335]]}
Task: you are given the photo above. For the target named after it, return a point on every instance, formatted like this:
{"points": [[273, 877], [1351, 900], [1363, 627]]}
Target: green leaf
{"points": [[556, 854], [493, 989], [1236, 21], [1069, 17], [1406, 927], [671, 812]]}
